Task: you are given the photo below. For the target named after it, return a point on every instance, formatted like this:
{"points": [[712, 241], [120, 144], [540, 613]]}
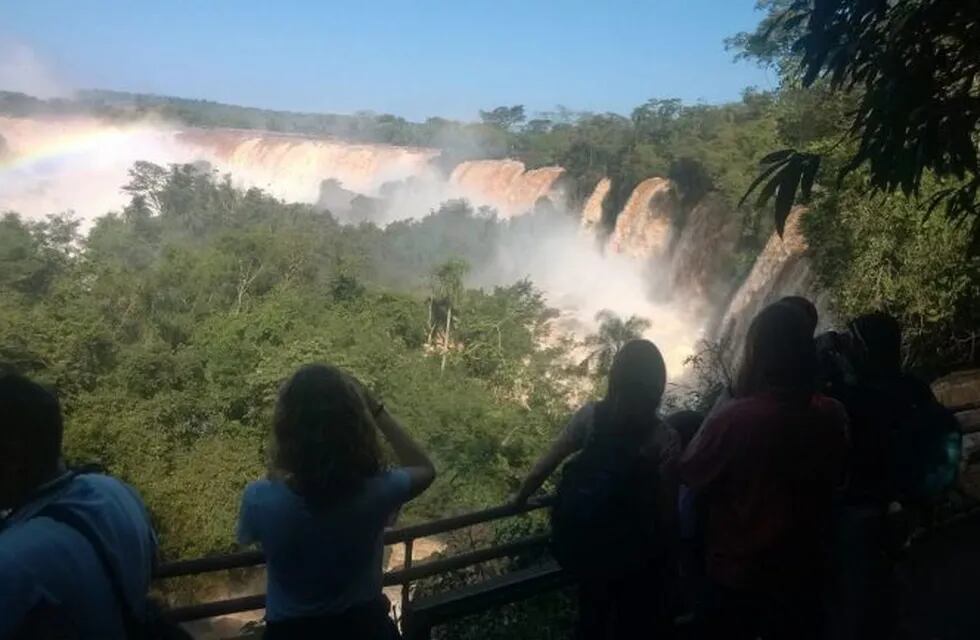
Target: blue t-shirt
{"points": [[44, 562], [320, 562]]}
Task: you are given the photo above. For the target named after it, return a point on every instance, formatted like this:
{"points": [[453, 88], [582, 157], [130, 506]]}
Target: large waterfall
{"points": [[658, 262], [292, 167]]}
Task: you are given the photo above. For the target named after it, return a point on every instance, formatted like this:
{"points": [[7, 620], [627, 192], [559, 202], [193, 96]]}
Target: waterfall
{"points": [[505, 184], [592, 210], [292, 167], [644, 226], [658, 262]]}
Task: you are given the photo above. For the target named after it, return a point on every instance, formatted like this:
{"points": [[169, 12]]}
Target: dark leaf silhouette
{"points": [[790, 180], [913, 67], [810, 169], [759, 179]]}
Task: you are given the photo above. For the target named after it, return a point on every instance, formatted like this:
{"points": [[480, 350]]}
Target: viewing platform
{"points": [[935, 572], [417, 615]]}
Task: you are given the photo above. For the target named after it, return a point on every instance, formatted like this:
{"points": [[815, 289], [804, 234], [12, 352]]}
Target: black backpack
{"points": [[924, 446], [604, 520], [151, 626]]}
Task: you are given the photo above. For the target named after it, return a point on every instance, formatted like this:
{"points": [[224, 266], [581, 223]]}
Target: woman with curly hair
{"points": [[320, 514]]}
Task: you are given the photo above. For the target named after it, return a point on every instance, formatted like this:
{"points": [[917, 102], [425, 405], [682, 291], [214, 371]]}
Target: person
{"points": [[639, 361], [686, 423], [810, 318], [625, 478], [690, 523], [767, 466], [905, 444], [320, 514], [904, 451], [76, 549]]}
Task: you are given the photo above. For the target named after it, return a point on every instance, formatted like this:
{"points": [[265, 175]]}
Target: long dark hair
{"points": [[879, 336], [806, 306], [326, 441], [637, 380], [780, 354]]}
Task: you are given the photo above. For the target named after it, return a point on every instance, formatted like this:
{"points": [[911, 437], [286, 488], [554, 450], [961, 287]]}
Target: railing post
{"points": [[418, 632], [407, 585]]}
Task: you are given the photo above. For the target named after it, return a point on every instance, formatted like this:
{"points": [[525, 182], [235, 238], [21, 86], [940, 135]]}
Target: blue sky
{"points": [[414, 58]]}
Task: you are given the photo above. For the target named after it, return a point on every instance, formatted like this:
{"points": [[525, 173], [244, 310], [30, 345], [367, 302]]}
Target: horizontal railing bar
{"points": [[216, 608], [452, 563], [959, 408], [402, 534], [400, 576], [244, 559], [208, 564]]}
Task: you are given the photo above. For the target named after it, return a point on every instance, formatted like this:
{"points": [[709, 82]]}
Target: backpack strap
{"points": [[67, 517]]}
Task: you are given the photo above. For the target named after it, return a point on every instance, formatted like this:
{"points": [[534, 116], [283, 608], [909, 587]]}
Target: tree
{"points": [[613, 333], [33, 253], [146, 181], [913, 67], [447, 290], [505, 118]]}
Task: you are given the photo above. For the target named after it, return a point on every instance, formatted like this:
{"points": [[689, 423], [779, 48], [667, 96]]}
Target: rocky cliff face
{"points": [[781, 269], [703, 251]]}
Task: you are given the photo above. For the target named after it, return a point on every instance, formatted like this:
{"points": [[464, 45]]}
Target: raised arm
{"points": [[410, 456]]}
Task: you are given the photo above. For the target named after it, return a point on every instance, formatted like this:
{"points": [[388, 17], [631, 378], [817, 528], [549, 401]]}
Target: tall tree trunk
{"points": [[432, 326], [445, 351]]}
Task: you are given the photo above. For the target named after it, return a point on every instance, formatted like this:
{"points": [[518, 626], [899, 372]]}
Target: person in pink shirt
{"points": [[767, 466]]}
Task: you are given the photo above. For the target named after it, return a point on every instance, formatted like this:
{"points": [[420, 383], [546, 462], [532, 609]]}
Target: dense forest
{"points": [[169, 327]]}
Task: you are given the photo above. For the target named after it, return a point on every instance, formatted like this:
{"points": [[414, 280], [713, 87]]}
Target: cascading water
{"points": [[504, 184], [652, 264], [644, 226], [592, 209], [292, 167]]}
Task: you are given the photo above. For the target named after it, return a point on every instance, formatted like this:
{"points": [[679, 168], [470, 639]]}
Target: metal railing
{"points": [[404, 576]]}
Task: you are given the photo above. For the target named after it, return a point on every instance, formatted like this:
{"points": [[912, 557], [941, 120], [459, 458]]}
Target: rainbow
{"points": [[45, 141]]}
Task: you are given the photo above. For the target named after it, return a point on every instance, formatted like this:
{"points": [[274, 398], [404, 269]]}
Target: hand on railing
{"points": [[515, 502]]}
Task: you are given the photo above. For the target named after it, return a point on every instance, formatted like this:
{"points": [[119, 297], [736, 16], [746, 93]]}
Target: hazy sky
{"points": [[414, 58]]}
